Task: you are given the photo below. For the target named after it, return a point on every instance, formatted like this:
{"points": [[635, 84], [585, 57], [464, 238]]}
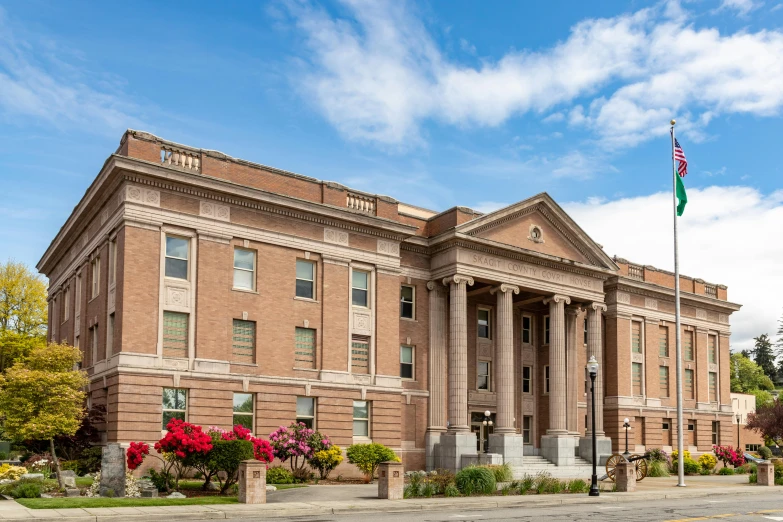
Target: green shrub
{"points": [[753, 478], [410, 491], [502, 472], [325, 460], [691, 466], [451, 490], [89, 461], [765, 452], [3, 455], [779, 481], [414, 486], [657, 468], [428, 489], [161, 480], [26, 490], [778, 465], [506, 490], [367, 457], [725, 471], [442, 478], [476, 479], [703, 471], [279, 475], [226, 456], [578, 486], [546, 483]]}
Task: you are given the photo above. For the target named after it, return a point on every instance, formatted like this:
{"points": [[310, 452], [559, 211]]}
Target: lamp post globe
{"points": [[627, 426], [592, 369]]}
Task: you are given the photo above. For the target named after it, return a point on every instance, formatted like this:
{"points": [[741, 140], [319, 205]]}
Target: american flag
{"points": [[679, 155]]}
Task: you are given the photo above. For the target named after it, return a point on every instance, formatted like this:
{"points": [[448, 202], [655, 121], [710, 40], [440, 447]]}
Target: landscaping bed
{"points": [[101, 502]]}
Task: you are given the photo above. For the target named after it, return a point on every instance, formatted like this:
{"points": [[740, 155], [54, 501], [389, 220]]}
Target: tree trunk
{"points": [[56, 465]]}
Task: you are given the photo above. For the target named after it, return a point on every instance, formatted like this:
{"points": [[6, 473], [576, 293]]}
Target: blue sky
{"points": [[434, 103]]}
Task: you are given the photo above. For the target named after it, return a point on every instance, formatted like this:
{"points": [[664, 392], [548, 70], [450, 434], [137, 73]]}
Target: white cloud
{"points": [[486, 207], [379, 74], [466, 46], [724, 238], [554, 117], [743, 7], [49, 90]]}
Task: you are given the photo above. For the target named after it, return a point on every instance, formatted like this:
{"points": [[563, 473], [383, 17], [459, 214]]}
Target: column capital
{"points": [[573, 310], [503, 287], [557, 298], [598, 307], [434, 285], [457, 279]]}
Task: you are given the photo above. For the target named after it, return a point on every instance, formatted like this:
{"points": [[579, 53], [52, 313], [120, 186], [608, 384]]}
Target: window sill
{"points": [[93, 298], [404, 379], [306, 299], [244, 290], [178, 279], [361, 440], [411, 319], [253, 365], [483, 391]]}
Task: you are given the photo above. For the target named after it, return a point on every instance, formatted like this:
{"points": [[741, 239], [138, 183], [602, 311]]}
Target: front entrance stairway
{"points": [[532, 465]]}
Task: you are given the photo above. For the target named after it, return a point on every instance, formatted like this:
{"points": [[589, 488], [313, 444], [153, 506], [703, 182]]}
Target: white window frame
{"points": [[640, 323], [252, 270], [527, 439], [96, 277], [368, 420], [546, 379], [252, 413], [315, 411], [164, 410], [167, 256], [529, 380], [690, 335], [94, 343], [314, 267], [367, 273], [412, 302], [412, 364], [66, 303], [717, 387], [489, 322], [488, 374], [77, 303], [529, 329], [715, 433], [546, 330]]}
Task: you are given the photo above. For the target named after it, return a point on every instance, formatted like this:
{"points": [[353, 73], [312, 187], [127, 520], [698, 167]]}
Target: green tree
{"points": [[764, 355], [22, 300], [779, 346], [15, 347], [747, 376], [41, 396]]}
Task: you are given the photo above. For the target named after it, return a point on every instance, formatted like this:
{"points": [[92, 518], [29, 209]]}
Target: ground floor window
{"points": [[527, 429], [243, 410], [305, 411], [175, 405], [715, 432], [752, 447], [361, 418]]}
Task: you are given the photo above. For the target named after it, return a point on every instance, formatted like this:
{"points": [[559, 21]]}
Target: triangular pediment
{"points": [[540, 225]]}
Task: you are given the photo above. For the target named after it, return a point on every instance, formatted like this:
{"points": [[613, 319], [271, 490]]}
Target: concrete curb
{"points": [[280, 510]]}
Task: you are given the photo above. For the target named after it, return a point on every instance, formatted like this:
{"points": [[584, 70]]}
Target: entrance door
{"points": [[482, 432]]}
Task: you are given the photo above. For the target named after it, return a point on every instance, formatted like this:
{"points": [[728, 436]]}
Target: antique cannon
{"points": [[640, 464]]}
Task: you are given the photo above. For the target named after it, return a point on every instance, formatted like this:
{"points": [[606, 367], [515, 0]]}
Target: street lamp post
{"points": [[626, 425], [487, 422], [739, 418], [592, 368]]}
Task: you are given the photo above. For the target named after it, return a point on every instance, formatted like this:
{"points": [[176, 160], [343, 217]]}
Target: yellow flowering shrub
{"points": [[708, 461], [10, 472], [675, 453]]}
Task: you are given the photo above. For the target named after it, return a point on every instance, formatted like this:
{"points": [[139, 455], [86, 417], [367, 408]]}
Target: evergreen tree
{"points": [[779, 346], [764, 355]]}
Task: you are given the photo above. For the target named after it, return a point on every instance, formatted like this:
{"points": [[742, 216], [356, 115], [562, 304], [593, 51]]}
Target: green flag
{"points": [[682, 197]]}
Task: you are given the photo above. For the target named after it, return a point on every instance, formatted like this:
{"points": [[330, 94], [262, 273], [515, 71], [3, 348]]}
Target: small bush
{"points": [[367, 457], [546, 483], [765, 453], [225, 458], [428, 489], [779, 481], [675, 454], [3, 455], [27, 490], [502, 472], [657, 468], [658, 455], [415, 484], [161, 480], [326, 460], [708, 461], [279, 475], [753, 478], [527, 483], [451, 490], [691, 467], [725, 471], [476, 479], [410, 491], [10, 472], [578, 486], [442, 478]]}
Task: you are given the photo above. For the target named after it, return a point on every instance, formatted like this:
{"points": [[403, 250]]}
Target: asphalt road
{"points": [[734, 508]]}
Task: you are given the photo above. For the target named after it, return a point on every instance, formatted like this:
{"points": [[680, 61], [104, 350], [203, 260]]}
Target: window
{"points": [[752, 447], [359, 288], [305, 279], [360, 354], [66, 304], [305, 411], [663, 341], [585, 333], [712, 348], [637, 378], [483, 323], [665, 424], [94, 343], [77, 305], [688, 388], [112, 261], [243, 341], [76, 342], [175, 334], [546, 379], [691, 425], [713, 382], [687, 345], [96, 276], [527, 429], [715, 433], [663, 375], [527, 376], [243, 410], [527, 332], [636, 337], [361, 418], [406, 362], [244, 269], [482, 378], [304, 349], [110, 336], [175, 402], [177, 257], [406, 301], [546, 329]]}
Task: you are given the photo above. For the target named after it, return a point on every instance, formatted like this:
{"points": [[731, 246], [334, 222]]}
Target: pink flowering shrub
{"points": [[292, 444], [728, 455]]}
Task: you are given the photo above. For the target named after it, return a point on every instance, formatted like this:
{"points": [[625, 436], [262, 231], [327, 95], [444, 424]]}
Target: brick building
{"points": [[221, 291]]}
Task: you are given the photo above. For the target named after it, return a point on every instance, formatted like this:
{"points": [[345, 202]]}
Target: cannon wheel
{"points": [[641, 467], [611, 464]]}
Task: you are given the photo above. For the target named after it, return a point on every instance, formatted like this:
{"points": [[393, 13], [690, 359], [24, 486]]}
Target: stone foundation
{"points": [[603, 448], [452, 448], [510, 445], [557, 449]]}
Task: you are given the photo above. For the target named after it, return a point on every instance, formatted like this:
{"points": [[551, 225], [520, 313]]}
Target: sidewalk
{"points": [[304, 502]]}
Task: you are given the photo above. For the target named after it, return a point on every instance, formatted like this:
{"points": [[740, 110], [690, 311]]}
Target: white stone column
{"points": [[574, 379], [504, 363], [595, 348], [437, 362], [557, 364], [458, 352]]}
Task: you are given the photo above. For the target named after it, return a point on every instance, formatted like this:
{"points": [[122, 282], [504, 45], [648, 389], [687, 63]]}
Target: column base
{"points": [[452, 447], [558, 449], [432, 450], [603, 448], [510, 445]]}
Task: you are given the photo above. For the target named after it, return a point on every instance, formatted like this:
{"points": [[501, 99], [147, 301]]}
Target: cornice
{"points": [[652, 290]]}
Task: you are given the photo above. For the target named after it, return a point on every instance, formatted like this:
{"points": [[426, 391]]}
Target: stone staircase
{"points": [[533, 465]]}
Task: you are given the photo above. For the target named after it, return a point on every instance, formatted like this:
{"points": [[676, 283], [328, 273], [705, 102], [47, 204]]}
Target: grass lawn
{"points": [[84, 502]]}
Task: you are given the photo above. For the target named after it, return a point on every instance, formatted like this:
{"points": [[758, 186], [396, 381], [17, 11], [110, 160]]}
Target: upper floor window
{"points": [[636, 370], [546, 329], [304, 348], [175, 405], [177, 250], [483, 323], [305, 279], [527, 329], [360, 354], [175, 334], [360, 284], [527, 429], [406, 301], [688, 386], [713, 386], [482, 378], [687, 345], [663, 341], [96, 276], [66, 303], [585, 331], [244, 269], [636, 337], [77, 305], [243, 341], [712, 350], [243, 410], [546, 379], [113, 261], [663, 377], [527, 376], [406, 362]]}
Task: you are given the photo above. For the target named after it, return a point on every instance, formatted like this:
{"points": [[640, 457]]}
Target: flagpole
{"points": [[678, 353]]}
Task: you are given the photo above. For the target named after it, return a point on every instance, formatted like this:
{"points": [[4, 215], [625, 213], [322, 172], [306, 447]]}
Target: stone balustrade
{"points": [[361, 203], [180, 158]]}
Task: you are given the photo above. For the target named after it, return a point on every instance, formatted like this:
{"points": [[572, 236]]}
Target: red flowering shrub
{"points": [[262, 450], [728, 455], [136, 454], [183, 439]]}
